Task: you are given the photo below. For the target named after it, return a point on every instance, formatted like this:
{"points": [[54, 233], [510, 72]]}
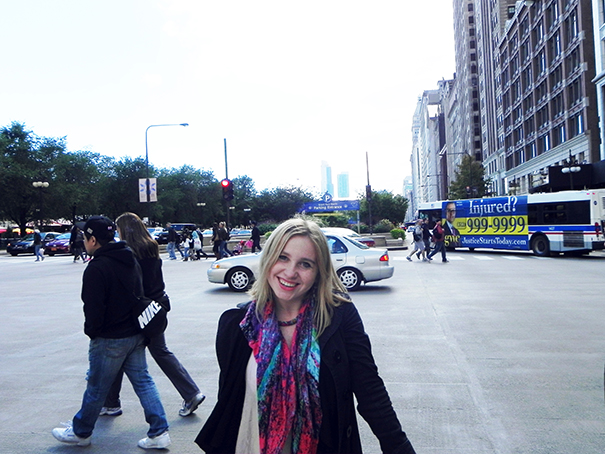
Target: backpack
{"points": [[417, 237], [438, 232]]}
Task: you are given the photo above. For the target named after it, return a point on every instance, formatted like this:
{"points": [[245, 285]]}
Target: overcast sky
{"points": [[288, 84]]}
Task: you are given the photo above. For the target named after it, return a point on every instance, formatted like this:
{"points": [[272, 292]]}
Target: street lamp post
{"points": [[41, 185], [571, 166], [147, 186]]}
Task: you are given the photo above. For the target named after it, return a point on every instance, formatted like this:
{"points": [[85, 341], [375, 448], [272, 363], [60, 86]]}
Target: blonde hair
{"points": [[133, 231], [328, 288]]}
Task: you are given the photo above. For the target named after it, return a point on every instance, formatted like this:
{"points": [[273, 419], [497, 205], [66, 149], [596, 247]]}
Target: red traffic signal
{"points": [[227, 186]]}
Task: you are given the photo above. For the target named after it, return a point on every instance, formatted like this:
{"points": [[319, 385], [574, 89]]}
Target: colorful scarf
{"points": [[287, 380]]}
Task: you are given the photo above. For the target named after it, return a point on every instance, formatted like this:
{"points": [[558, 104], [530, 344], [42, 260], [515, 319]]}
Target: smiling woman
{"points": [[300, 325]]}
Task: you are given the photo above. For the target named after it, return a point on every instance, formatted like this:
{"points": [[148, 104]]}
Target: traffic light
{"points": [[227, 186]]}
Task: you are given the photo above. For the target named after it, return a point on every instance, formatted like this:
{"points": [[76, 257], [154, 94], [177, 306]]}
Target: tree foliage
{"points": [[82, 184], [470, 180], [384, 205]]}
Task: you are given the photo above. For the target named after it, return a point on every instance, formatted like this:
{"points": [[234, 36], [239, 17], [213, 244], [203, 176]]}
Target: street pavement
{"points": [[490, 353]]}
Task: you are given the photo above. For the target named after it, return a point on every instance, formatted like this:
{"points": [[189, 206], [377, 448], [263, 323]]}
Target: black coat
{"points": [[347, 368], [107, 302]]}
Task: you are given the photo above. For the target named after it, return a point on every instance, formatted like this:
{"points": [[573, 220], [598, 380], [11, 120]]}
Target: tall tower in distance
{"points": [[343, 185], [326, 178]]}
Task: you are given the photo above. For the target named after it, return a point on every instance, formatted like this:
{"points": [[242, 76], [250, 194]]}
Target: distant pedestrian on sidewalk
{"points": [[417, 239], [38, 245], [439, 236], [255, 237], [426, 238], [115, 341], [147, 252]]}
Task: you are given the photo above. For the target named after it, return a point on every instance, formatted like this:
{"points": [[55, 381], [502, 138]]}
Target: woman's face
{"points": [[295, 271]]}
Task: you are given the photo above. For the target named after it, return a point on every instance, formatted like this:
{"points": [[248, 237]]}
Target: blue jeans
{"points": [[439, 246], [106, 357], [37, 252], [170, 249], [223, 251], [169, 364]]}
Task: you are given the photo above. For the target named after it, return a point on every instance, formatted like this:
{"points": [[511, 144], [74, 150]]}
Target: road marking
{"points": [[482, 257], [512, 257]]}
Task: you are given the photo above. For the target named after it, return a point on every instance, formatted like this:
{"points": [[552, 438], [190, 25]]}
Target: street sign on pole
{"points": [[144, 194]]}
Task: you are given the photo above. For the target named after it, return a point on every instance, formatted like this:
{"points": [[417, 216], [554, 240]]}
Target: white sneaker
{"points": [[67, 435], [158, 442]]}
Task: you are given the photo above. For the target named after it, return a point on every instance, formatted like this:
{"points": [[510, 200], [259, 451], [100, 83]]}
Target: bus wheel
{"points": [[540, 246]]}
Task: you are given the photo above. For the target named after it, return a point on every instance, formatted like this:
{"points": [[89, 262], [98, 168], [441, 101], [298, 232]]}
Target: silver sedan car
{"points": [[354, 263]]}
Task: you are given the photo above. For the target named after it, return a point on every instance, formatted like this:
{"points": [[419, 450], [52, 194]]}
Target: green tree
{"points": [[280, 204], [384, 205], [470, 180], [77, 179], [244, 202], [24, 159]]}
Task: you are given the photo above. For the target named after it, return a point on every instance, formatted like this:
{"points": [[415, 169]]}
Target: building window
{"points": [[574, 92], [542, 62], [573, 61], [571, 27], [558, 107], [576, 125]]}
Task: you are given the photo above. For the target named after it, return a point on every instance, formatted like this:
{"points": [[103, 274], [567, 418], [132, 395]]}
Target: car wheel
{"points": [[239, 279], [541, 246], [350, 278], [14, 254]]}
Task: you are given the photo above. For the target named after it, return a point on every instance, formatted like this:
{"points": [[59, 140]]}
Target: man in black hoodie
{"points": [[109, 285]]}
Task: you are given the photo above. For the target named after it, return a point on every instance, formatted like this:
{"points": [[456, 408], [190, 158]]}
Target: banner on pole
{"points": [[153, 193]]}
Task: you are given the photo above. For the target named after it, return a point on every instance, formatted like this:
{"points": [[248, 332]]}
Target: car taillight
{"points": [[384, 257]]}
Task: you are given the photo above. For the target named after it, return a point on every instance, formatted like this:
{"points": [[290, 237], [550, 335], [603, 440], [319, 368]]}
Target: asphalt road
{"points": [[490, 353]]}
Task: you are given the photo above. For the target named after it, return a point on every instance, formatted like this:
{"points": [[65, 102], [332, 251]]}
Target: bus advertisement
{"points": [[570, 221]]}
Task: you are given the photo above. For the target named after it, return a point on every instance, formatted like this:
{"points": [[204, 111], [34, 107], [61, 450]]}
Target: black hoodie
{"points": [[109, 284]]}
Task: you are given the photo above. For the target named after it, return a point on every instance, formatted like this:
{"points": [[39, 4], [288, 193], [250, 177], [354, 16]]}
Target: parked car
{"points": [[354, 263], [25, 245], [240, 232], [160, 234], [60, 245], [350, 234]]}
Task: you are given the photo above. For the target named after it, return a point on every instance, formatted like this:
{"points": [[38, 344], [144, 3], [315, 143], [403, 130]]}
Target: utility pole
{"points": [[369, 195], [227, 202]]}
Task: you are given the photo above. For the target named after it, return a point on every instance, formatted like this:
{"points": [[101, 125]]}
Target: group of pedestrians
{"points": [[295, 361], [422, 239], [118, 274]]}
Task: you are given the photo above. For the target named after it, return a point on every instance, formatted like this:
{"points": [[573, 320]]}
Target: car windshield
{"points": [[28, 237], [63, 236], [356, 243]]}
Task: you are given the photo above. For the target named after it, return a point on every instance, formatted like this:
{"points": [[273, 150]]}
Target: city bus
{"points": [[545, 223]]}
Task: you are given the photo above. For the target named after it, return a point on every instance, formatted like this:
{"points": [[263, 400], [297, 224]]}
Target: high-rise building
{"points": [[343, 185], [326, 179], [547, 101]]}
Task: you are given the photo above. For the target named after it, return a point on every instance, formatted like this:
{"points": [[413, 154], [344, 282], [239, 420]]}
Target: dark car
{"points": [[26, 244], [60, 245]]}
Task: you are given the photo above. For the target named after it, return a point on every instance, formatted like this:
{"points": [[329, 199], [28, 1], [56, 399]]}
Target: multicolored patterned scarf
{"points": [[287, 380]]}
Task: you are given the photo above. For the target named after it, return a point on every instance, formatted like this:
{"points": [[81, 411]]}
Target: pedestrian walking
{"points": [[147, 252], [198, 244], [216, 241], [426, 238], [76, 243], [172, 239], [224, 237], [295, 361], [115, 341], [255, 237], [439, 236], [418, 241], [38, 246]]}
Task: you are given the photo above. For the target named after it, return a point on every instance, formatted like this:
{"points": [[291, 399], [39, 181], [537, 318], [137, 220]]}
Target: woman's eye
{"points": [[306, 265], [282, 258]]}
